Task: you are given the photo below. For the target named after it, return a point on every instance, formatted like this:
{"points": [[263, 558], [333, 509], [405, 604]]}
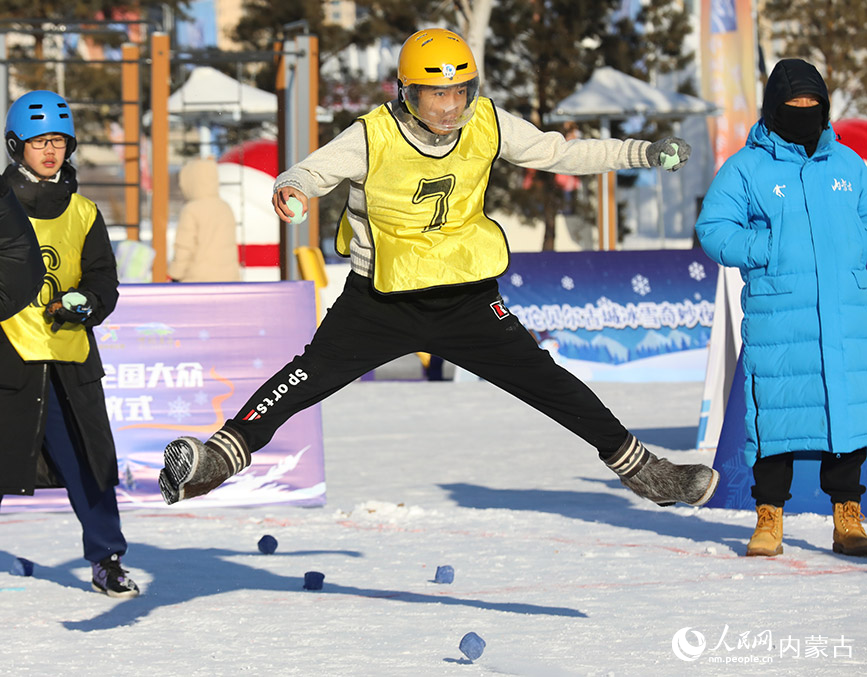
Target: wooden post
{"points": [[160, 79], [131, 136], [612, 210], [601, 208], [606, 194], [606, 201], [280, 91], [313, 141], [282, 161], [300, 137]]}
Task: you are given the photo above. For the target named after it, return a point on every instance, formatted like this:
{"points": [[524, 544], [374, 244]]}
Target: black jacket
{"points": [[21, 267], [24, 385]]}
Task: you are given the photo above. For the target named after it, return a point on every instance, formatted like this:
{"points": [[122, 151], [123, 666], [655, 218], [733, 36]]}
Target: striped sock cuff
{"points": [[636, 153], [231, 446], [629, 459]]}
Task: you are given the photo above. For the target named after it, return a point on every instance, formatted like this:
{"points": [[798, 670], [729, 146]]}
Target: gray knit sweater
{"points": [[521, 143]]}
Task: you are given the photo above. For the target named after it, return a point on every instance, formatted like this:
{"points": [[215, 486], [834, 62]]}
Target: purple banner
{"points": [[182, 358], [617, 316]]}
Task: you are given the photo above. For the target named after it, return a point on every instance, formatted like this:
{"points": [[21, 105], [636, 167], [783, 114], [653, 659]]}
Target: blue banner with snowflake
{"points": [[617, 316], [179, 360]]}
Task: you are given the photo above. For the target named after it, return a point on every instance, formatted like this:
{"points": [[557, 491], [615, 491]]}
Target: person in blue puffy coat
{"points": [[790, 211]]}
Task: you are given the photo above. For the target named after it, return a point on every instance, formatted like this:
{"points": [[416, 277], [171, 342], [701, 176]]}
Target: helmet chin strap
{"points": [[35, 176]]}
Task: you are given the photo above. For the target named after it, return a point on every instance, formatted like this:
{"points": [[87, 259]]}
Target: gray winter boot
{"points": [[193, 468], [660, 480]]}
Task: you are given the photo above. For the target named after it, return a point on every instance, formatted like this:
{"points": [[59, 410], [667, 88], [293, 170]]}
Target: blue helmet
{"points": [[35, 113]]}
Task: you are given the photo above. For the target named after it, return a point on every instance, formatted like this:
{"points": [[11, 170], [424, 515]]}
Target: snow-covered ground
{"points": [[557, 567]]}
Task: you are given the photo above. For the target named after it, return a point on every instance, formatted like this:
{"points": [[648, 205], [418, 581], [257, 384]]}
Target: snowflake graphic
{"points": [[258, 363], [179, 409], [641, 285], [204, 335], [201, 398], [696, 271], [567, 282], [516, 280]]}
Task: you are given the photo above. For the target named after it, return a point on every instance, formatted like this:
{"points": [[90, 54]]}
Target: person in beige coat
{"points": [[206, 247]]}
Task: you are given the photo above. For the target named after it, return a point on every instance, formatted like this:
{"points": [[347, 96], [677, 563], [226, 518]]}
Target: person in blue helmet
{"points": [[790, 211], [52, 405]]}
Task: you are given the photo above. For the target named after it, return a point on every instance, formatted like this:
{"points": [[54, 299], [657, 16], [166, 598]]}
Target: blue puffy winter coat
{"points": [[796, 227]]}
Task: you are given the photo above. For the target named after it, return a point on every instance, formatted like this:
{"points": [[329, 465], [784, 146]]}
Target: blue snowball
{"points": [[445, 574], [472, 646], [313, 580], [267, 544]]}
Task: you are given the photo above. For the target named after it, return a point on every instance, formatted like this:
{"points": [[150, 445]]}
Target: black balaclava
{"points": [[789, 79], [800, 125]]}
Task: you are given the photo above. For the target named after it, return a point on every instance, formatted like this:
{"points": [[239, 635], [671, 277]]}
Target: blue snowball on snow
{"points": [[313, 580], [267, 544], [472, 646], [444, 574]]}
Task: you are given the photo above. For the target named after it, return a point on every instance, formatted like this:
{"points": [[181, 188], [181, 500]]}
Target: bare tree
{"points": [[474, 17], [829, 34]]}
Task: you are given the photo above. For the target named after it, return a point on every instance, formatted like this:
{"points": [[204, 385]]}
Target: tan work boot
{"points": [[767, 540], [849, 536]]}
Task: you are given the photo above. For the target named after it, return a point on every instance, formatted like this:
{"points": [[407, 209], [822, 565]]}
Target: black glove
{"points": [[71, 306], [671, 154]]}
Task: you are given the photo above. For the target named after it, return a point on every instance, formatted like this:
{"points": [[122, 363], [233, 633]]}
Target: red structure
{"points": [[259, 154], [853, 133]]}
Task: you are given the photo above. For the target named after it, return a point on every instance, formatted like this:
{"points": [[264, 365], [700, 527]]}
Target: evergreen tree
{"points": [[262, 24], [62, 69], [828, 34], [537, 53], [540, 51], [38, 16], [346, 95]]}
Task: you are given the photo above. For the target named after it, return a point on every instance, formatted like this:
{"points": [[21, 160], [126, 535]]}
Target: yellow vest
{"points": [[60, 241], [426, 214]]}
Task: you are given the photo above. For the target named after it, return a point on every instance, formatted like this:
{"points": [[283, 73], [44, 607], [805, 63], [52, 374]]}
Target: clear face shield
{"points": [[442, 108]]}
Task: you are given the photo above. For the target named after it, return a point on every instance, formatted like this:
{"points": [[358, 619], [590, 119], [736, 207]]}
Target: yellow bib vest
{"points": [[426, 214], [60, 241]]}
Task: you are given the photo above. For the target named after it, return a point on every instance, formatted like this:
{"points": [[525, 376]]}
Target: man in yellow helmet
{"points": [[425, 258]]}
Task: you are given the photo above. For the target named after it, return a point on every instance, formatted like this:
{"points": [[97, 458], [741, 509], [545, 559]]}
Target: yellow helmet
{"points": [[436, 57]]}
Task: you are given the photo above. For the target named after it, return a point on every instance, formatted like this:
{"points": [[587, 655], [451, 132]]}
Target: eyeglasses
{"points": [[57, 142]]}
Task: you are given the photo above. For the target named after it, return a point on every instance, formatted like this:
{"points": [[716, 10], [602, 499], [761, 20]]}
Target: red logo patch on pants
{"points": [[500, 309]]}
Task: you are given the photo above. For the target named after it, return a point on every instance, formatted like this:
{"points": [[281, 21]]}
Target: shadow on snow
{"points": [[175, 582]]}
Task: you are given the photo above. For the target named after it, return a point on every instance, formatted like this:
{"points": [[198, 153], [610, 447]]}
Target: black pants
{"points": [[839, 477], [469, 326]]}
